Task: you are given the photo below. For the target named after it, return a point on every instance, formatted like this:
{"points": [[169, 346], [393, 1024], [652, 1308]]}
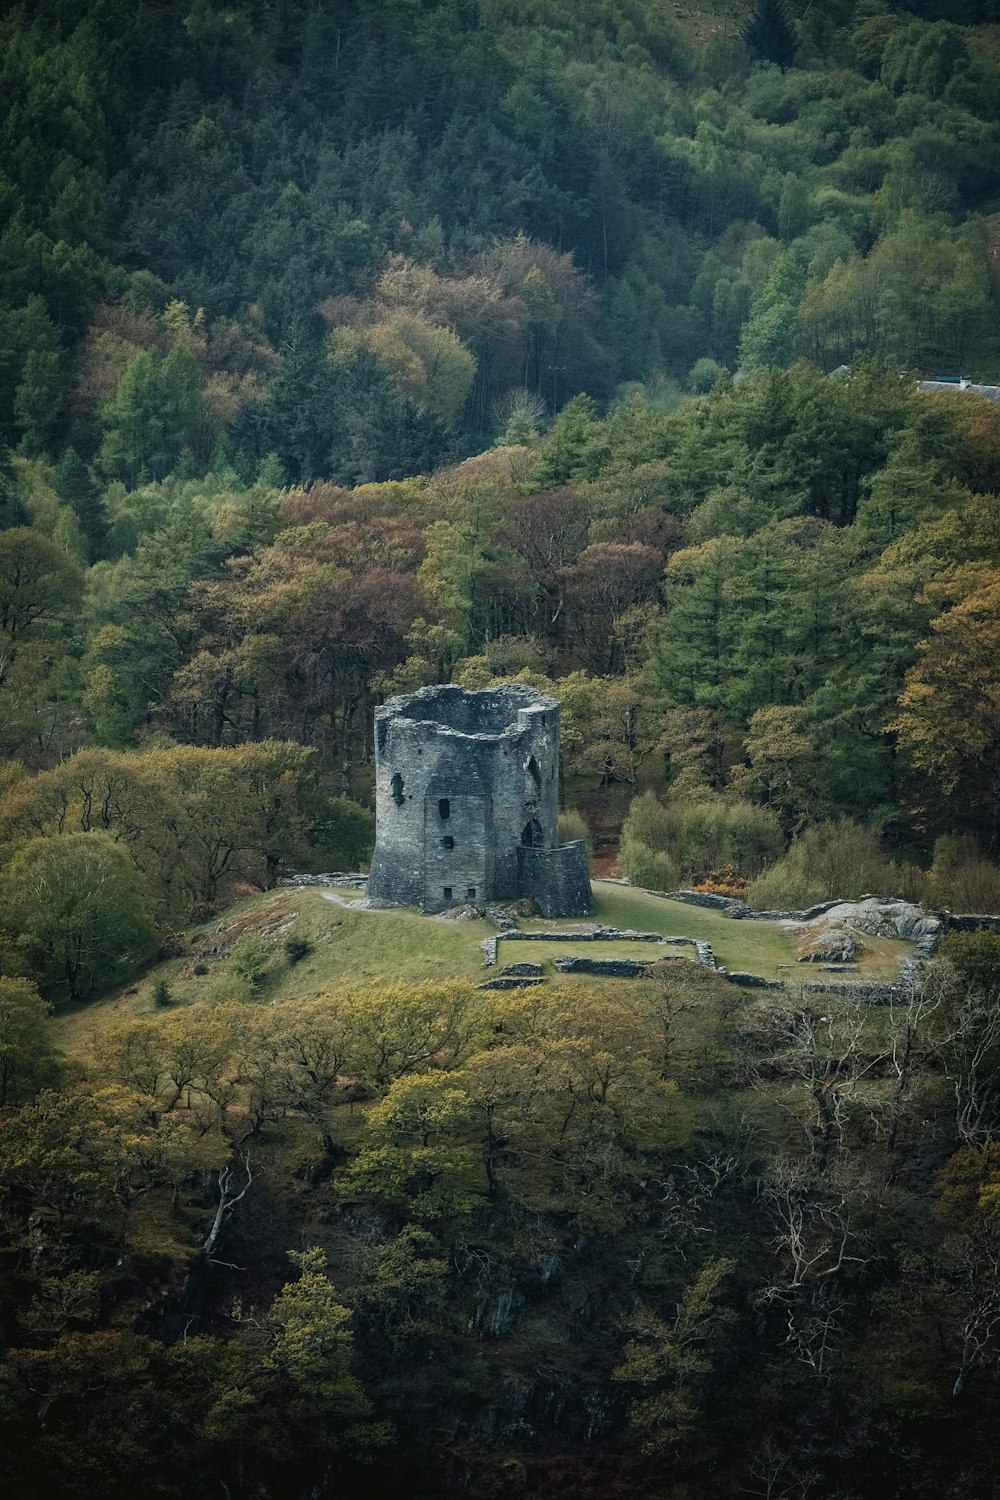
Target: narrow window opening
{"points": [[447, 893], [447, 842], [471, 893], [444, 809], [397, 789], [532, 837]]}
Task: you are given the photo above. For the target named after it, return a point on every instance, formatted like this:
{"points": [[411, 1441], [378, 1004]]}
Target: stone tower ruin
{"points": [[467, 802]]}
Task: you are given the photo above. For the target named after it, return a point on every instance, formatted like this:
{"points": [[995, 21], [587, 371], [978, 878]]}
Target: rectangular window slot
{"points": [[447, 893], [447, 842], [444, 808], [471, 893]]}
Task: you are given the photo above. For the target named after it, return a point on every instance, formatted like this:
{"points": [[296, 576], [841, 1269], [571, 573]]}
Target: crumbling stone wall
{"points": [[467, 802]]}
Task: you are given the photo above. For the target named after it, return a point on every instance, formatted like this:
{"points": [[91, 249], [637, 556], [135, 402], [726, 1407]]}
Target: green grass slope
{"points": [[353, 949]]}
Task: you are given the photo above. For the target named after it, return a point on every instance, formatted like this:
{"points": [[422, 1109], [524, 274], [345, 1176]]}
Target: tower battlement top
{"points": [[492, 713]]}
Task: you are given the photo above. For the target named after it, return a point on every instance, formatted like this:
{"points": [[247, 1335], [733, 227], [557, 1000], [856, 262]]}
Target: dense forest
{"points": [[347, 348]]}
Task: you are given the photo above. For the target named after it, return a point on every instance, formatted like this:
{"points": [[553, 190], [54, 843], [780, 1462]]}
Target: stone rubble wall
{"points": [[869, 991], [509, 982], [968, 922], [617, 968], [752, 981], [592, 935]]}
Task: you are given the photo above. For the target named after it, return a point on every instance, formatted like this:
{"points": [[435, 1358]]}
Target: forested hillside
{"points": [[351, 347]]}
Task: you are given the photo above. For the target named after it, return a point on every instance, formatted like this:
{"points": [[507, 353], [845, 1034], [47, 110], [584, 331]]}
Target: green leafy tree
{"points": [[39, 586], [949, 712], [78, 904], [27, 1059], [311, 1343], [76, 488], [38, 400], [672, 1360]]}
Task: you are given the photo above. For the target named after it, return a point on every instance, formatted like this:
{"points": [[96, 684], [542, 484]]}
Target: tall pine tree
{"points": [[770, 35]]}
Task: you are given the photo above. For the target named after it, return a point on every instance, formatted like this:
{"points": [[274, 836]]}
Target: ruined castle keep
{"points": [[467, 802]]}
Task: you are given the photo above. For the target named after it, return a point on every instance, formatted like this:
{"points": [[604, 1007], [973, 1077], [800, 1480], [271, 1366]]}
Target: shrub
{"points": [[702, 375], [910, 882], [837, 858], [710, 834], [754, 837], [724, 882], [248, 958], [649, 868], [652, 822], [785, 887], [297, 948], [962, 878], [161, 993], [976, 956], [572, 826]]}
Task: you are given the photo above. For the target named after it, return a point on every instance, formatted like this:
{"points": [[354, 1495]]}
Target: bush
{"points": [[702, 375], [754, 837], [649, 868], [724, 882], [785, 887], [343, 835], [699, 837], [651, 822], [976, 956], [161, 993], [910, 882], [962, 878], [573, 826], [297, 948], [837, 858], [248, 959]]}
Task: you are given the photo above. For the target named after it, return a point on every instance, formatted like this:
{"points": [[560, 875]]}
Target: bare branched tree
{"points": [[230, 1194], [814, 1241]]}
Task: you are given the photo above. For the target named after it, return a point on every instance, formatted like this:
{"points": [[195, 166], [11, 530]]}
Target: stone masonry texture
{"points": [[467, 803]]}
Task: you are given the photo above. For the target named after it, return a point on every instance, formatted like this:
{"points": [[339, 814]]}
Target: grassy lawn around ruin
{"points": [[763, 948], [354, 949]]}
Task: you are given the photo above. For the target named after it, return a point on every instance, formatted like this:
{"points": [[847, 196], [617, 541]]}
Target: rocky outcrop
{"points": [[829, 942]]}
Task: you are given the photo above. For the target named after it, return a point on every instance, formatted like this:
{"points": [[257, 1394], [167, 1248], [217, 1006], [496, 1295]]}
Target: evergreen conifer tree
{"points": [[76, 489], [12, 511], [770, 34]]}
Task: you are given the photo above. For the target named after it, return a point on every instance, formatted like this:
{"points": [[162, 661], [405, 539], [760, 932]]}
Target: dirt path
{"points": [[358, 905]]}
